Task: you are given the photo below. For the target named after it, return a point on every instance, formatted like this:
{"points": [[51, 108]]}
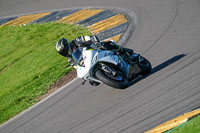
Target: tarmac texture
{"points": [[166, 33]]}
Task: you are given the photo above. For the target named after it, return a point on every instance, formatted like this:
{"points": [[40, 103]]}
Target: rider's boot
{"points": [[126, 51], [110, 45], [130, 56]]}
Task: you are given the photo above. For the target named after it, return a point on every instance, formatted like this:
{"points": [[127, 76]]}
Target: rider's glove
{"points": [[94, 39], [71, 62]]}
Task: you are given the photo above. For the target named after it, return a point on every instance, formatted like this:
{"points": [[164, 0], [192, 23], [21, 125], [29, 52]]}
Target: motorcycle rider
{"points": [[63, 44]]}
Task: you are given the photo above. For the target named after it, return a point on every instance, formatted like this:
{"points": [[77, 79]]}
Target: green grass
{"points": [[192, 126], [30, 64]]}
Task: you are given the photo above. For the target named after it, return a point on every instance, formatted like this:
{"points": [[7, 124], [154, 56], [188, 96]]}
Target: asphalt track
{"points": [[167, 33]]}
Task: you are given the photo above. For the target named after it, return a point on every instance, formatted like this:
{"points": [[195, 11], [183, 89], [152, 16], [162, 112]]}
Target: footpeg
{"points": [[83, 82]]}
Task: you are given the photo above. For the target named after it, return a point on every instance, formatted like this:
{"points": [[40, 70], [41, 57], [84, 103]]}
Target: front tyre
{"points": [[145, 66], [117, 81]]}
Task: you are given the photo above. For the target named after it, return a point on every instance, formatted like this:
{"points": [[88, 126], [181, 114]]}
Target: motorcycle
{"points": [[114, 69]]}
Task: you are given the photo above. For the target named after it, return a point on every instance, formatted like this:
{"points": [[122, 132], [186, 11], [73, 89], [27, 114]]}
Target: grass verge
{"points": [[192, 126], [29, 63]]}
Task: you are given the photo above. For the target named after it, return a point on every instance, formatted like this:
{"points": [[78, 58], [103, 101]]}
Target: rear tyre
{"points": [[145, 66], [117, 81]]}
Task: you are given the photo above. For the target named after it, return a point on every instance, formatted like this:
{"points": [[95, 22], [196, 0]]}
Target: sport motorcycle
{"points": [[114, 69]]}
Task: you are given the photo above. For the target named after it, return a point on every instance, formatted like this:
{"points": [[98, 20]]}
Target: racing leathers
{"points": [[87, 41]]}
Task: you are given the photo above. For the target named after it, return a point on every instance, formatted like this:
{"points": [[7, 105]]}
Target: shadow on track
{"points": [[159, 67]]}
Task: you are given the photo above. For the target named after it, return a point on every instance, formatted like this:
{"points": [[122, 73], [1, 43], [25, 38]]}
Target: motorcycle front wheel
{"points": [[145, 66], [117, 81]]}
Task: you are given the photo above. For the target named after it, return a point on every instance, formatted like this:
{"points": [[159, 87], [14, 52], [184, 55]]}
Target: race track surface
{"points": [[167, 32]]}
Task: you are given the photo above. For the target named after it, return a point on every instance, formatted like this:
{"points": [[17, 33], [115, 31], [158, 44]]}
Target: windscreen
{"points": [[77, 55]]}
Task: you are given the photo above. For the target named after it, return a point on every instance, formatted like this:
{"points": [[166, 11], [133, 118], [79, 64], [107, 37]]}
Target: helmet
{"points": [[62, 47]]}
